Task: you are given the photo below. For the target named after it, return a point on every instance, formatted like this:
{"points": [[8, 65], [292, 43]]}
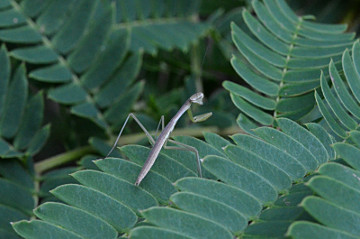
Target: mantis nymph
{"points": [[164, 136]]}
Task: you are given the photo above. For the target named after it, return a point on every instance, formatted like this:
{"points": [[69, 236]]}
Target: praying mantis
{"points": [[164, 136]]}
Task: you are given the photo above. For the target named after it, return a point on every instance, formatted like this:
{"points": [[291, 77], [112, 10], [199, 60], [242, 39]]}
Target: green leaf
{"points": [[308, 229], [339, 193], [155, 232], [37, 229], [351, 75], [53, 179], [16, 196], [185, 223], [289, 145], [246, 124], [110, 210], [271, 154], [36, 55], [91, 42], [75, 220], [32, 120], [7, 18], [66, 38], [135, 197], [342, 91], [107, 60], [333, 215], [241, 178], [123, 77], [335, 106], [307, 139], [56, 73], [123, 104], [250, 96], [275, 229], [276, 176], [261, 84], [23, 34], [38, 141], [252, 111], [157, 185], [8, 215], [281, 213], [323, 136], [338, 129], [341, 173], [88, 110], [54, 15], [216, 141], [238, 199], [220, 213], [4, 75], [14, 104], [349, 153], [68, 94]]}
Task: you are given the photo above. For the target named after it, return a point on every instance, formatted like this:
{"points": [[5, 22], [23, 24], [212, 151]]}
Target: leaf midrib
{"points": [[288, 57]]}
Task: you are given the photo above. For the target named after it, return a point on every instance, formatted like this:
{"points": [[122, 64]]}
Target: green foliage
{"points": [[335, 205], [278, 180], [16, 199], [340, 106], [280, 57], [21, 116], [250, 182], [83, 50]]}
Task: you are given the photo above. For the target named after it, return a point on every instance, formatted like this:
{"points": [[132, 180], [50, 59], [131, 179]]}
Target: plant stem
{"points": [[196, 67], [62, 159], [67, 157], [195, 132]]}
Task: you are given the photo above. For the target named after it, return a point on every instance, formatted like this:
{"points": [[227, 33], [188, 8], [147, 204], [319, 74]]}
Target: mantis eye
{"points": [[197, 98]]}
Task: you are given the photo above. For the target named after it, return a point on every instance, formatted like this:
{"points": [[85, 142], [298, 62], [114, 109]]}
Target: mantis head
{"points": [[198, 99]]}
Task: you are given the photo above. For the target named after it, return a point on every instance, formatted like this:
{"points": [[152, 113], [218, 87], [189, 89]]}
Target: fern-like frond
{"points": [[88, 52], [340, 105], [22, 135], [253, 172], [336, 207], [281, 58], [252, 176], [21, 115], [162, 24], [76, 50], [16, 195], [274, 221]]}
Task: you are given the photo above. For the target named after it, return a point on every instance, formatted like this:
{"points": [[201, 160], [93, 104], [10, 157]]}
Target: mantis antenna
{"points": [[164, 136]]}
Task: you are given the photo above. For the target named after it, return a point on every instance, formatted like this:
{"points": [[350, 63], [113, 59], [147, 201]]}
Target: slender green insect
{"points": [[164, 136]]}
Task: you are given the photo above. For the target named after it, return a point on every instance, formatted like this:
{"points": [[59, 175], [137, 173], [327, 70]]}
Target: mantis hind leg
{"points": [[148, 135], [186, 147]]}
